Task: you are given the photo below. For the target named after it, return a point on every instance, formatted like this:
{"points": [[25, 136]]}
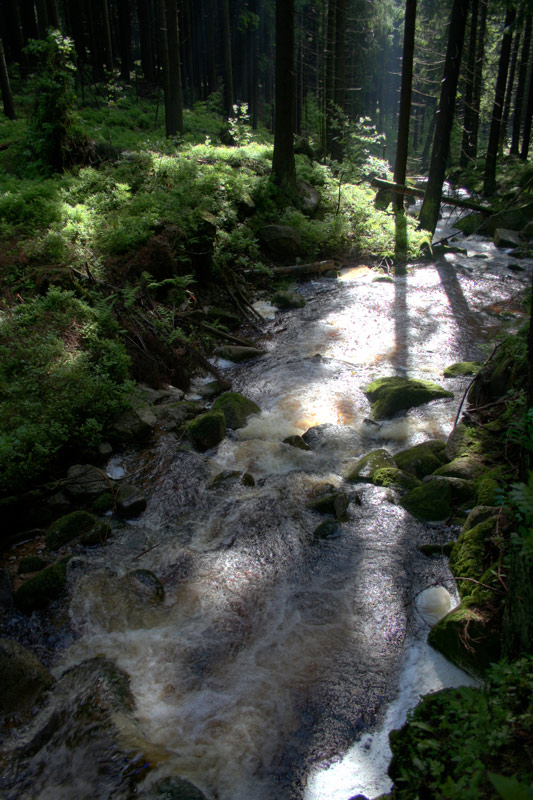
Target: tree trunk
{"points": [[173, 96], [339, 80], [226, 57], [106, 34], [283, 166], [441, 143], [144, 12], [211, 48], [467, 147], [478, 76], [5, 86], [489, 185], [526, 135], [330, 75], [521, 88], [124, 23], [509, 92], [402, 144]]}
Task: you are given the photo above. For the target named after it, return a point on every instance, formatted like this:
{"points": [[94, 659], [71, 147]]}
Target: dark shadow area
{"points": [[468, 328]]}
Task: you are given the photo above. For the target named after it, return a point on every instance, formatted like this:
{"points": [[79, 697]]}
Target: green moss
{"points": [[463, 467], [422, 459], [31, 564], [40, 590], [488, 491], [287, 300], [466, 637], [236, 408], [207, 430], [395, 478], [468, 557], [363, 471], [335, 503], [390, 395], [70, 526], [102, 504], [461, 368], [430, 502]]}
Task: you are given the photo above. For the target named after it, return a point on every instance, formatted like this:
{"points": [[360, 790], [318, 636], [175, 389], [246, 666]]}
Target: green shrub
{"points": [[62, 378]]}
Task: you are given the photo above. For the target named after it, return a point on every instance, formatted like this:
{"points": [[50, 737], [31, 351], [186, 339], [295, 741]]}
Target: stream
{"points": [[277, 663]]}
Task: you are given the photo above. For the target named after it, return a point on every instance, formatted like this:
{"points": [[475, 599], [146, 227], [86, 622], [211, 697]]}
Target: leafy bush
{"points": [[63, 375], [456, 739]]}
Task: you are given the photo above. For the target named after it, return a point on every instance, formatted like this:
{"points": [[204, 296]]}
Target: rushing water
{"points": [[276, 664]]}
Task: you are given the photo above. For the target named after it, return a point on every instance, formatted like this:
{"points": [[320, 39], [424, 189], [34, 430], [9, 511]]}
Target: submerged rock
{"points": [[236, 409], [22, 677], [297, 441], [287, 300], [238, 353], [173, 789], [363, 471], [462, 368], [326, 530], [390, 395], [335, 503]]}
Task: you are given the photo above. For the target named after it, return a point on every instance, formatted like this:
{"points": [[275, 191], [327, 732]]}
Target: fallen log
{"points": [[398, 188], [300, 269]]}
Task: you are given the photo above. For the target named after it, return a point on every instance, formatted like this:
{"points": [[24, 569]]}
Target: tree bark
{"points": [[521, 88], [339, 79], [329, 96], [402, 144], [226, 56], [489, 185], [441, 143], [283, 166], [509, 92], [173, 96], [478, 77], [124, 23], [5, 86], [144, 12], [528, 117], [467, 147]]}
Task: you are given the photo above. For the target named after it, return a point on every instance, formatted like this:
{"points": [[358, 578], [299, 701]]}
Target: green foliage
{"points": [[239, 125], [63, 376], [51, 125], [455, 737]]}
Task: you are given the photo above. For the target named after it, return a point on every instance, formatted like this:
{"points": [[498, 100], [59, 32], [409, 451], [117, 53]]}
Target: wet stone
{"points": [[22, 677], [297, 441], [85, 482], [130, 502]]}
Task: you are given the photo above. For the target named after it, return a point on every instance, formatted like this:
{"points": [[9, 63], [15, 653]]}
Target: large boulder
{"points": [[422, 459], [288, 300], [390, 395], [430, 502], [236, 409], [394, 478], [503, 237], [38, 592], [282, 241], [464, 467], [22, 677], [363, 471], [466, 639], [468, 558], [511, 218], [462, 368], [309, 198], [69, 527], [207, 430], [171, 415], [85, 482]]}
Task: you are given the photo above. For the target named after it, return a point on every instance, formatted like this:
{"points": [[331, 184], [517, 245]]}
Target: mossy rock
{"points": [[463, 440], [130, 502], [40, 590], [430, 502], [394, 478], [31, 564], [335, 503], [466, 637], [207, 430], [390, 395], [465, 467], [297, 441], [461, 368], [437, 549], [363, 471], [422, 459], [238, 353], [326, 530], [103, 504], [69, 527], [487, 491], [469, 553], [287, 300], [22, 677], [236, 409], [462, 491], [480, 514]]}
